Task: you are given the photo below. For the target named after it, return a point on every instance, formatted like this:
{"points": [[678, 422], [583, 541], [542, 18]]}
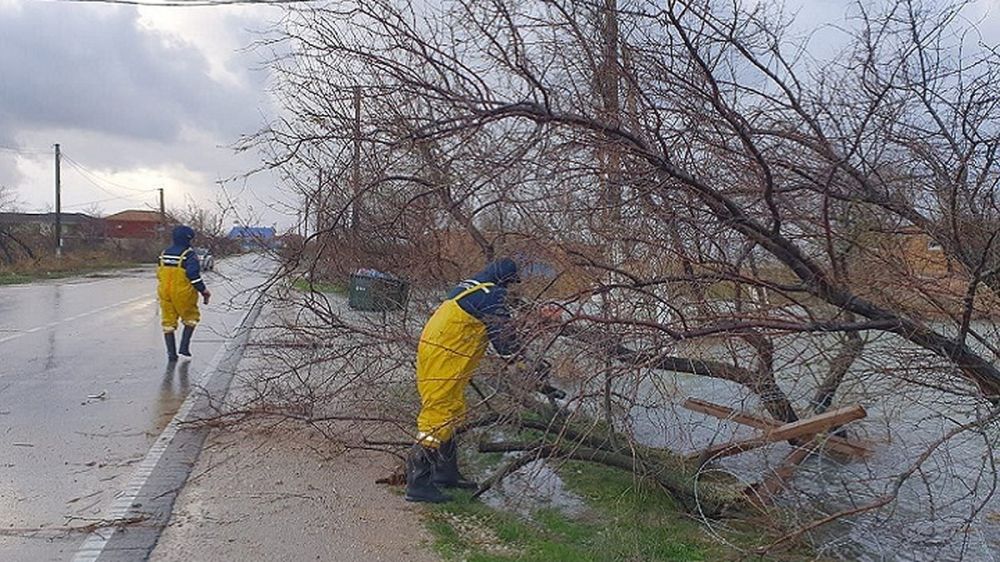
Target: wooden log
{"points": [[806, 427], [844, 447], [709, 495]]}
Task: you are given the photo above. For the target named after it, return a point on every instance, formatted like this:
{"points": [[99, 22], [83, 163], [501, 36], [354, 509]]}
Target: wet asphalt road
{"points": [[85, 390]]}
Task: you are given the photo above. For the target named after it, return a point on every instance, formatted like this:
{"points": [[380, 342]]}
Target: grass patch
{"points": [[626, 524], [646, 524], [626, 520], [71, 265], [320, 287], [14, 278]]}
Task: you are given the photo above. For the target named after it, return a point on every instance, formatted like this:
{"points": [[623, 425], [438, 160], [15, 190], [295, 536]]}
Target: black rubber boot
{"points": [[446, 474], [171, 342], [185, 350], [420, 476]]}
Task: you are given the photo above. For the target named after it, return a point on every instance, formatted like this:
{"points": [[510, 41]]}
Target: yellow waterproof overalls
{"points": [[451, 346], [178, 297]]}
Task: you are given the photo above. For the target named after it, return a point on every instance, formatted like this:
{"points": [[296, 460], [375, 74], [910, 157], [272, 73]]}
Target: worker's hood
{"points": [[183, 235], [501, 272]]}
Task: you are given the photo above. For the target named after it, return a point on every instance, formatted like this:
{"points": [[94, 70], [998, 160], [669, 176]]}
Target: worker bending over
{"points": [[451, 345]]}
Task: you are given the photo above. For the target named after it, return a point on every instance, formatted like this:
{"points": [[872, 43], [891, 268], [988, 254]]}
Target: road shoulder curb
{"points": [[143, 508]]}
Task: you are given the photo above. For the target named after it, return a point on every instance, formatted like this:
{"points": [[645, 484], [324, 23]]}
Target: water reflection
{"points": [[50, 351], [948, 510], [534, 486], [173, 390]]}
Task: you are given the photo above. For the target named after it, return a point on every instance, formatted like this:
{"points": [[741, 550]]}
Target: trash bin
{"points": [[377, 293]]}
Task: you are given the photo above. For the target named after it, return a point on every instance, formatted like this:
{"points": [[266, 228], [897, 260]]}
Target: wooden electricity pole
{"points": [[321, 203], [163, 212], [356, 164], [607, 83], [58, 205]]}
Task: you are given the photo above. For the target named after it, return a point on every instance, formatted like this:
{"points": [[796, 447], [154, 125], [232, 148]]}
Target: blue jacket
{"points": [[490, 306], [183, 235]]}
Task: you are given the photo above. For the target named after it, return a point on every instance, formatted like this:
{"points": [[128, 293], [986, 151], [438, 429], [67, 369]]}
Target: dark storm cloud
{"points": [[66, 66]]}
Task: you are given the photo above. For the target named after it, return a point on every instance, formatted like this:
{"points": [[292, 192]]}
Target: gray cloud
{"points": [[68, 66]]}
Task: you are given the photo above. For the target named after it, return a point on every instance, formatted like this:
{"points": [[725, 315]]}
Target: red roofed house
{"points": [[134, 225]]}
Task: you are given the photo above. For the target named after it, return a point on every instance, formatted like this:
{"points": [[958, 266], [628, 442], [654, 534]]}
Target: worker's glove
{"points": [[541, 370], [541, 373], [552, 392], [205, 295], [536, 375], [529, 370]]}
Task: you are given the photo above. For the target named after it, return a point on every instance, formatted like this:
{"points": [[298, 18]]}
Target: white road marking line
{"points": [[76, 317]]}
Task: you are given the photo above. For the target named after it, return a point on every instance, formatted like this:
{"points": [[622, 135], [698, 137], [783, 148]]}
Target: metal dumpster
{"points": [[377, 293]]}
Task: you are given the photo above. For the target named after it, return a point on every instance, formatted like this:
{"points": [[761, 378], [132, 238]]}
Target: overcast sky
{"points": [[138, 97], [145, 97]]}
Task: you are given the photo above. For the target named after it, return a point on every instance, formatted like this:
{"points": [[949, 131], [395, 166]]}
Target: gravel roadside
{"points": [[284, 492], [269, 495]]}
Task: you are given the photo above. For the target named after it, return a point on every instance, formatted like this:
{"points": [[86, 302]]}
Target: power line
{"points": [[99, 182], [104, 185], [83, 169], [189, 3], [85, 176], [98, 201], [91, 181], [22, 151]]}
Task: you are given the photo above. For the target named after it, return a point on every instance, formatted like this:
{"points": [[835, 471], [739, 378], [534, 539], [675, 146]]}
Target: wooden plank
{"points": [[728, 449], [831, 443], [727, 413], [817, 424], [762, 494], [806, 427]]}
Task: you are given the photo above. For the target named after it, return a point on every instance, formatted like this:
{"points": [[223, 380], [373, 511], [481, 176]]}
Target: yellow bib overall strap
{"points": [[169, 260], [477, 286], [451, 346]]}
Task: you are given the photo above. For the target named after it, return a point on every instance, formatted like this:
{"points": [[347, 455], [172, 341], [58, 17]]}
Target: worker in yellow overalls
{"points": [[451, 345], [179, 282]]}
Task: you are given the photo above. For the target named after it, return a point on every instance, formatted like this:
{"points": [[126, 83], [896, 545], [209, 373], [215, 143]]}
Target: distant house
{"points": [[254, 237], [901, 255], [134, 225], [925, 257], [909, 270], [78, 229]]}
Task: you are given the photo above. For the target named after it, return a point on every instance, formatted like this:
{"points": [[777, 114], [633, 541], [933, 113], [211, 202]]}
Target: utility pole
{"points": [[58, 206], [321, 203], [608, 84], [356, 165], [163, 211], [305, 216]]}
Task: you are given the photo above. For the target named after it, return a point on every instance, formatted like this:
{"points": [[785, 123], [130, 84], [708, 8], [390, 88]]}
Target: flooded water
{"points": [[948, 509], [535, 486]]}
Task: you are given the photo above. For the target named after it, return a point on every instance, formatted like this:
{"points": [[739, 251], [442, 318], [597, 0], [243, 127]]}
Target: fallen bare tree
{"points": [[707, 198]]}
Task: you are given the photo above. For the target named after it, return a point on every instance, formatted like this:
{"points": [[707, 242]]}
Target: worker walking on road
{"points": [[179, 282], [451, 345]]}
